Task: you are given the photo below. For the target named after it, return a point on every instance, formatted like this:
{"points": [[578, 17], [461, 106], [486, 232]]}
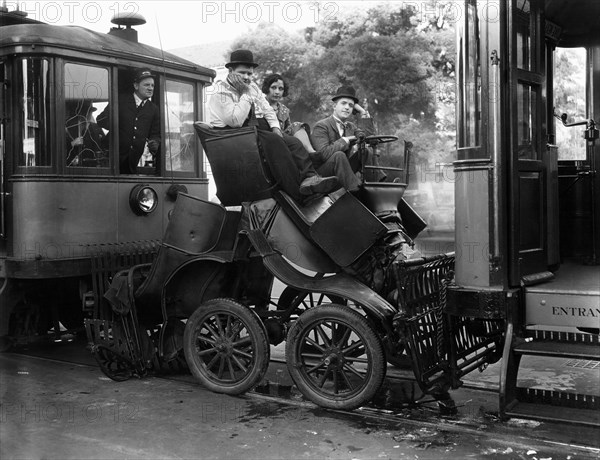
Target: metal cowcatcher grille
{"points": [[421, 321], [443, 347]]}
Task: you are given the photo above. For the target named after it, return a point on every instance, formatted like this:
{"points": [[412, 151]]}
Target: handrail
{"points": [[496, 150]]}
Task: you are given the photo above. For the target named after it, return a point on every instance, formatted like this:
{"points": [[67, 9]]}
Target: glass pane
{"points": [[180, 141], [522, 24], [469, 88], [527, 133], [86, 95], [570, 98], [35, 78]]}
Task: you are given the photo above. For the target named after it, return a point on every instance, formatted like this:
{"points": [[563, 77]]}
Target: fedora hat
{"points": [[141, 74], [345, 91], [241, 57]]}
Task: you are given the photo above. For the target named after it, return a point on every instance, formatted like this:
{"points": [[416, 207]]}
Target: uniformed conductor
{"points": [[139, 122]]}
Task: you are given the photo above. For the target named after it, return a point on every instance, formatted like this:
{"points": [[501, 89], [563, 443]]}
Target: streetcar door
{"points": [[526, 144], [3, 192]]}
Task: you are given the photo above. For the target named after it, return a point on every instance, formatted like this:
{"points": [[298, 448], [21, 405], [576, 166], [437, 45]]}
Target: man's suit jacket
{"points": [[326, 137], [135, 126]]}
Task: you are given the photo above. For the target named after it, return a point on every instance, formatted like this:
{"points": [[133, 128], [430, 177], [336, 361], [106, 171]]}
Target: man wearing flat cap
{"points": [[139, 122], [237, 102], [335, 136]]}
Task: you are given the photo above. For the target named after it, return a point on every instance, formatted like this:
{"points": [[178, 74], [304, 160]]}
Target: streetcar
{"points": [[61, 201], [527, 212]]}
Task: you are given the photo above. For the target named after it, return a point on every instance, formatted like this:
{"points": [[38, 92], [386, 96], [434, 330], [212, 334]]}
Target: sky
{"points": [[180, 23]]}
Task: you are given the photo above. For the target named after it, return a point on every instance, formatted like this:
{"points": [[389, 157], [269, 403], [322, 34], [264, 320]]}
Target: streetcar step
{"points": [[560, 414], [559, 349]]}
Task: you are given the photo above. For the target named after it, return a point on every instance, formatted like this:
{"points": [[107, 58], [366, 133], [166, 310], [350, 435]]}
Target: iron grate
{"points": [[583, 364]]}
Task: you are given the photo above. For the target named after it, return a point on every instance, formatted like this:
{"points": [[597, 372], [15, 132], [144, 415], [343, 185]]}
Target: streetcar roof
{"points": [[578, 19], [76, 38]]}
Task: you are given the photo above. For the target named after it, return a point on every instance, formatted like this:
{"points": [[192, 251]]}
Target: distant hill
{"points": [[207, 55]]}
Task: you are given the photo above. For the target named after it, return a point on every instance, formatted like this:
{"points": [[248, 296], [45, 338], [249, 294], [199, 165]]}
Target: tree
{"points": [[402, 61], [276, 50], [570, 98]]}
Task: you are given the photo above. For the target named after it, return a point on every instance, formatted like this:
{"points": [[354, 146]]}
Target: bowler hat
{"points": [[141, 74], [241, 57], [345, 91]]}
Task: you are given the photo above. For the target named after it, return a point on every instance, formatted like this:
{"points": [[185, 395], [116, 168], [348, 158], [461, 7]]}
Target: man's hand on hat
{"points": [[237, 81], [360, 109]]}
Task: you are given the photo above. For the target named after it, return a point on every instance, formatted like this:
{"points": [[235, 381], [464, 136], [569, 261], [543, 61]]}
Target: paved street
{"points": [[54, 409]]}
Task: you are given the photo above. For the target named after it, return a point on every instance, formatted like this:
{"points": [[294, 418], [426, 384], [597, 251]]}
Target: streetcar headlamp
{"points": [[143, 199]]}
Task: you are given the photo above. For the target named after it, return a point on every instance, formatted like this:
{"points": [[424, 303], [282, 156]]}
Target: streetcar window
{"points": [[469, 80], [522, 24], [86, 95], [133, 144], [570, 98], [180, 139], [526, 121], [35, 112]]}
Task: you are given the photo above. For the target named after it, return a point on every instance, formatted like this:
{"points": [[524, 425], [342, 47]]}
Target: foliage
{"points": [[569, 98], [276, 50], [398, 58]]}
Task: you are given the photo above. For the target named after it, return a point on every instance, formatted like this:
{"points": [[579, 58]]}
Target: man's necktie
{"points": [[345, 128], [252, 121]]}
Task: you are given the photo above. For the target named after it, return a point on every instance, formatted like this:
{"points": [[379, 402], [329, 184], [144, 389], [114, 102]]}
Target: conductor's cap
{"points": [[141, 74]]}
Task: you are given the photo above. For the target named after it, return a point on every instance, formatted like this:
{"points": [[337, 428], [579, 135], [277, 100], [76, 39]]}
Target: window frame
{"points": [[19, 125], [61, 115], [197, 172]]}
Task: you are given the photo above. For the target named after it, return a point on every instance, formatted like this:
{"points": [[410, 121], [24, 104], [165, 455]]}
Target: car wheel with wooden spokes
{"points": [[226, 347], [334, 357]]}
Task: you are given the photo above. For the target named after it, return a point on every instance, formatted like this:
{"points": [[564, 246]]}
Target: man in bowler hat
{"points": [[139, 122], [237, 102], [335, 137]]}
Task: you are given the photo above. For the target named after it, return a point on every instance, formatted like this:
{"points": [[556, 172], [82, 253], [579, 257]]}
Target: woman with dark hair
{"points": [[276, 88]]}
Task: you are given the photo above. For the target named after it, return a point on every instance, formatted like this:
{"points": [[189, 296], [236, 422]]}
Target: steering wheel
{"points": [[376, 140]]}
